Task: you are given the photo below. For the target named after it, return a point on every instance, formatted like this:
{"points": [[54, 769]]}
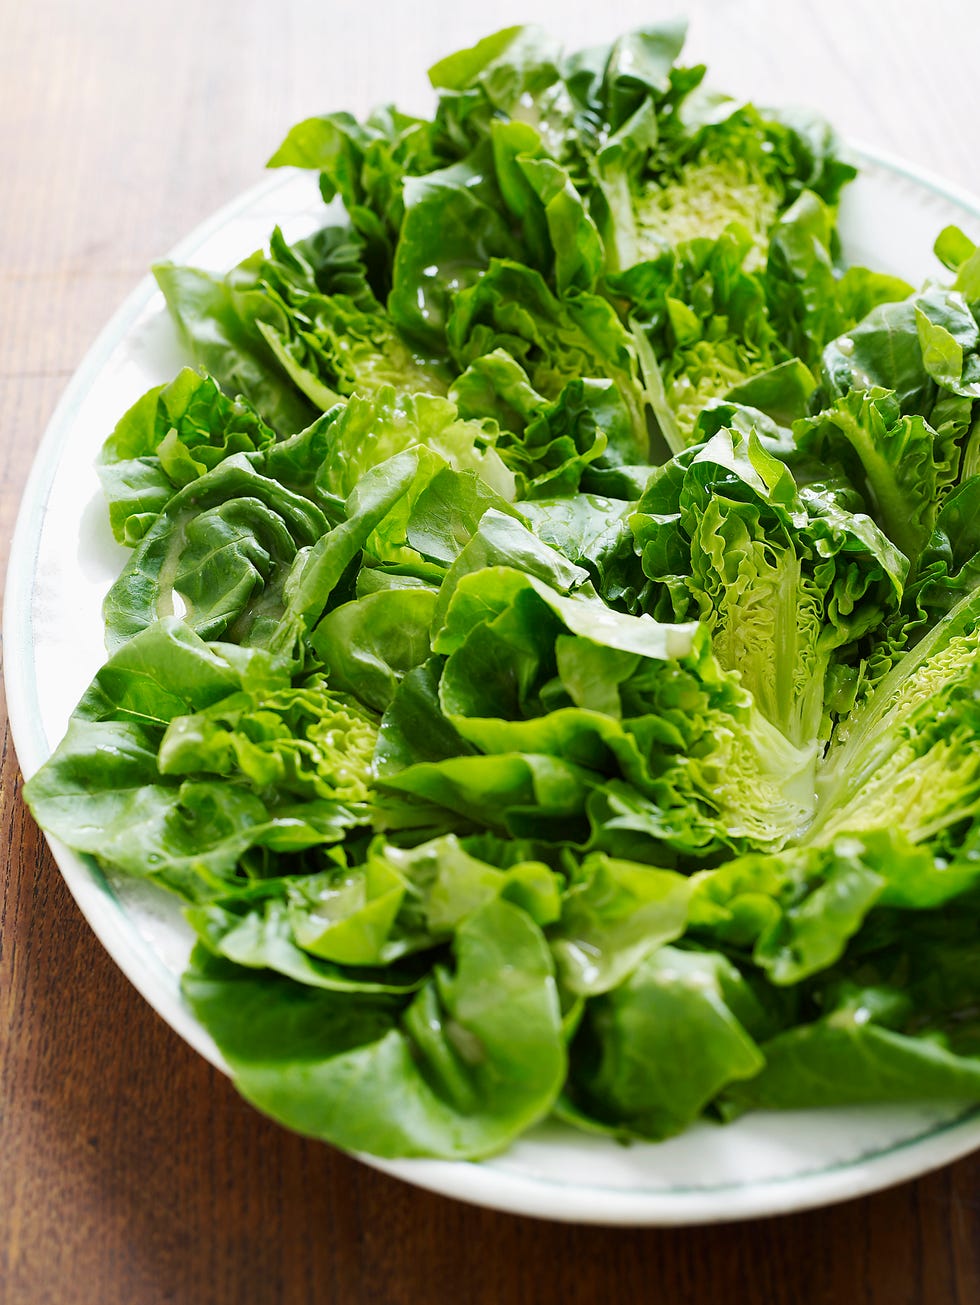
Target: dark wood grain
{"points": [[130, 1173]]}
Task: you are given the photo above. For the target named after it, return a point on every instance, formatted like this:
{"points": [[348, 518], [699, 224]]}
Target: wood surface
{"points": [[130, 1172]]}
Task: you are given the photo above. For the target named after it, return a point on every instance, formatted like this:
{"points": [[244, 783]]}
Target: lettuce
{"points": [[546, 667], [787, 580]]}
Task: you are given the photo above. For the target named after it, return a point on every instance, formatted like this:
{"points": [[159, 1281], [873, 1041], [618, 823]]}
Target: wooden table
{"points": [[129, 1170]]}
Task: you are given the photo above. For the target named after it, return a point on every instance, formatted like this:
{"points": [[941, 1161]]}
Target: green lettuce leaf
{"points": [[651, 1054], [169, 437], [458, 1070], [786, 579]]}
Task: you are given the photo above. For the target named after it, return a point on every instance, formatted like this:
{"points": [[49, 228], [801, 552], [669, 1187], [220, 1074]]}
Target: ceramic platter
{"points": [[63, 560]]}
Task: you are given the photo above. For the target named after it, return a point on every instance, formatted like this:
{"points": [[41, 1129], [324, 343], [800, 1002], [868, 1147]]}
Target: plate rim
{"points": [[482, 1183]]}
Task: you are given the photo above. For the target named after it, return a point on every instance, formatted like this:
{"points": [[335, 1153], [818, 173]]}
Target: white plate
{"points": [[62, 561]]}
